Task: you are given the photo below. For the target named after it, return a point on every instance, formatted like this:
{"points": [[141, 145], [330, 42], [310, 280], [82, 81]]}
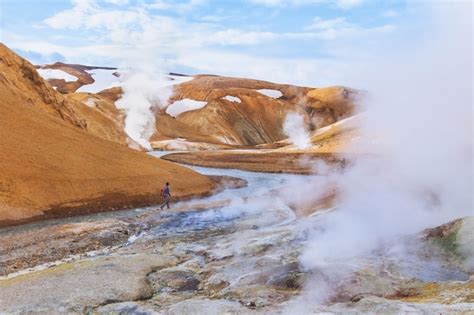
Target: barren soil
{"points": [[270, 162]]}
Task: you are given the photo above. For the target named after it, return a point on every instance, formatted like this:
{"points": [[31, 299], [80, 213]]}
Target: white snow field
{"points": [[184, 105], [233, 99], [270, 93], [56, 74], [103, 79]]}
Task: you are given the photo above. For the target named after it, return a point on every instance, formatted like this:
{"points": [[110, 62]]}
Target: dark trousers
{"points": [[166, 202]]}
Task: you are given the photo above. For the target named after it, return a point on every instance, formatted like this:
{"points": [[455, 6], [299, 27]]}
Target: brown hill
{"points": [[257, 118], [49, 167], [330, 104], [20, 79], [334, 138], [78, 71], [102, 117], [236, 113], [331, 144], [168, 128]]}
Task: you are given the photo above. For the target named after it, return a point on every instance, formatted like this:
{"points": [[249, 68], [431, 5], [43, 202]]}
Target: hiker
{"points": [[165, 193]]}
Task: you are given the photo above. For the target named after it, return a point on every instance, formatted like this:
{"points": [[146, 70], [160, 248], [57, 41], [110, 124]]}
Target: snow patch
{"points": [[184, 105], [103, 79], [90, 102], [48, 74], [270, 93], [233, 99]]}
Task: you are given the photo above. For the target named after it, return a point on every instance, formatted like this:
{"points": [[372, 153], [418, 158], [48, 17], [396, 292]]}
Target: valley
{"points": [[234, 252], [285, 199]]}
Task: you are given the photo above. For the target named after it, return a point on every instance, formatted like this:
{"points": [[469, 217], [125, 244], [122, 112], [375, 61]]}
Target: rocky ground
{"points": [[236, 252]]}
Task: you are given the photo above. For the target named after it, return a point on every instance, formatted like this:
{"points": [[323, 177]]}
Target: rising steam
{"points": [[295, 128], [421, 173], [143, 93]]}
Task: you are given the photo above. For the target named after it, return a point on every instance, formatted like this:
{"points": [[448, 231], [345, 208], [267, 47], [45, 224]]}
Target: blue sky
{"points": [[280, 40]]}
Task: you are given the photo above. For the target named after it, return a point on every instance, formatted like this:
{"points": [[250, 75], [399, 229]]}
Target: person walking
{"points": [[165, 193]]}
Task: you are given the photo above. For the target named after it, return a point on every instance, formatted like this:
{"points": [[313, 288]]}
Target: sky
{"points": [[305, 42]]}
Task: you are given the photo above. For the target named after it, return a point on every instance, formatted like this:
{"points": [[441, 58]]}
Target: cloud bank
{"points": [[191, 38]]}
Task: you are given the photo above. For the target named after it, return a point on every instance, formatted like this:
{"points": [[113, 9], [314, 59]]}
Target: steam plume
{"points": [[421, 174], [143, 91], [295, 128]]}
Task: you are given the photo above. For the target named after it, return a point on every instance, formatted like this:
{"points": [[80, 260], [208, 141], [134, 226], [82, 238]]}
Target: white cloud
{"points": [[213, 18], [321, 24], [172, 5], [283, 3], [136, 35], [269, 3], [198, 56], [339, 27], [240, 37], [117, 2], [341, 4], [389, 13], [280, 70], [87, 14], [159, 5], [74, 17], [348, 4]]}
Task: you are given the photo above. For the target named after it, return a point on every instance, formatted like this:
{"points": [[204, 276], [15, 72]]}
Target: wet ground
{"points": [[235, 252]]}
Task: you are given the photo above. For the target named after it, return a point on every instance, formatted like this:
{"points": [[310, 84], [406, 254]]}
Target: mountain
{"points": [[214, 112], [252, 112], [21, 81], [331, 144], [54, 162], [68, 78]]}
